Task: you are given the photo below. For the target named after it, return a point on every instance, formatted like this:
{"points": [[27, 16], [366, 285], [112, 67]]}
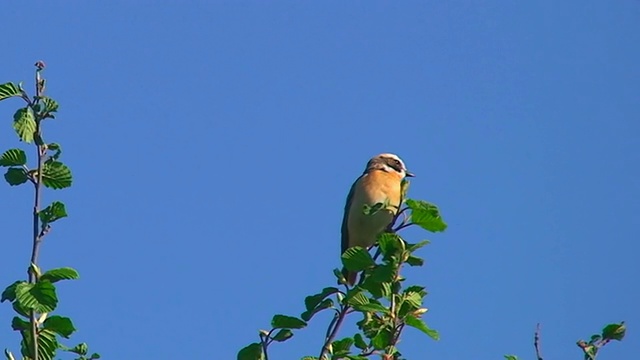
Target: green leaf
{"points": [[9, 292], [426, 215], [56, 175], [383, 273], [341, 279], [356, 297], [342, 344], [19, 309], [13, 157], [413, 298], [283, 335], [414, 261], [55, 275], [359, 342], [53, 212], [614, 331], [416, 289], [390, 244], [94, 356], [15, 176], [47, 344], [381, 340], [312, 301], [25, 124], [324, 304], [420, 325], [414, 247], [8, 90], [357, 259], [19, 324], [251, 352], [284, 321], [60, 325], [372, 307], [55, 147], [40, 297], [80, 349], [511, 357], [50, 105]]}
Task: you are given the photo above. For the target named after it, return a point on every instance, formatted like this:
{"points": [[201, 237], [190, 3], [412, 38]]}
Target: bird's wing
{"points": [[345, 218]]}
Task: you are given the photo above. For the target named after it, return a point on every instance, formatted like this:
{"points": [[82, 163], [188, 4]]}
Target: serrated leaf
{"points": [[16, 176], [383, 273], [284, 321], [372, 307], [47, 344], [19, 324], [283, 335], [389, 244], [342, 345], [50, 105], [53, 212], [25, 124], [324, 304], [426, 215], [60, 325], [614, 331], [251, 352], [413, 298], [8, 90], [9, 292], [312, 301], [357, 259], [420, 325], [56, 175], [40, 297], [359, 342], [356, 297], [414, 261], [55, 275], [19, 309], [13, 157], [416, 289], [381, 340]]}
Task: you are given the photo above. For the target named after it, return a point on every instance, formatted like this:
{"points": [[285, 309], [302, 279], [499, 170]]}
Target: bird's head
{"points": [[390, 163]]}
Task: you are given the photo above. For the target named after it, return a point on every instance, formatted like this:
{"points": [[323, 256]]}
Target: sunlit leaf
{"points": [[13, 157]]}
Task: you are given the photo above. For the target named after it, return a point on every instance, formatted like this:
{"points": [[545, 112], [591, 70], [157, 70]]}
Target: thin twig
{"points": [[536, 342], [35, 250], [334, 332]]}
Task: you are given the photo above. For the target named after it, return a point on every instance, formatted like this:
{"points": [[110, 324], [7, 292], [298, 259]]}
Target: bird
{"points": [[381, 182]]}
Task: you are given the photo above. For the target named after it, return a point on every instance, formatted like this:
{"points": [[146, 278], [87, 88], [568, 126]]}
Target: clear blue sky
{"points": [[213, 145]]}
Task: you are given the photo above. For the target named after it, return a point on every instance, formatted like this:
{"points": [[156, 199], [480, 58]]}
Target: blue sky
{"points": [[213, 145]]}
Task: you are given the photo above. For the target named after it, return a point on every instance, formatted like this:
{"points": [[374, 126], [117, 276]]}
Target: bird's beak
{"points": [[408, 174]]}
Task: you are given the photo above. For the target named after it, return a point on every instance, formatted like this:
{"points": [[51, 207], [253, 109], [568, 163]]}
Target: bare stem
{"points": [[536, 342], [35, 249]]}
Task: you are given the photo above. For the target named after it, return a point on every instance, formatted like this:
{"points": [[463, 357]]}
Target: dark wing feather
{"points": [[345, 218]]}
